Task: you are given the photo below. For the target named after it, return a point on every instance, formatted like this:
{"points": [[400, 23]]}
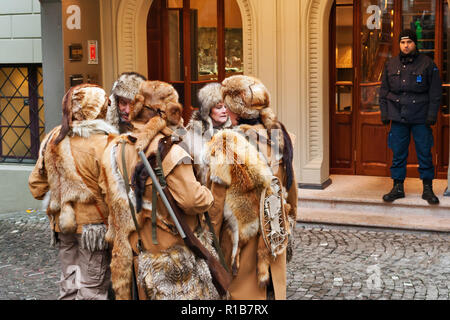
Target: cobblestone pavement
{"points": [[367, 263], [330, 262], [29, 268]]}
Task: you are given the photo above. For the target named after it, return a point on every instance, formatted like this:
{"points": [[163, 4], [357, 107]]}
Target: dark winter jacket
{"points": [[410, 90]]}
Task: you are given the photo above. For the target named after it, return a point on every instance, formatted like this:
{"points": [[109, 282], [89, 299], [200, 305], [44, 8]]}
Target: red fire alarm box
{"points": [[93, 52]]}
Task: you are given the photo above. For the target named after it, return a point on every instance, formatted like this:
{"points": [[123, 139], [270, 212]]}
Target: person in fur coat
{"points": [[122, 95], [207, 120], [164, 267], [67, 173], [259, 271]]}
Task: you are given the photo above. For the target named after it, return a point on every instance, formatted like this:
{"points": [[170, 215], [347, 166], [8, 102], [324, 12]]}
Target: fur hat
{"points": [[157, 95], [209, 96], [249, 98], [126, 86], [81, 103], [155, 98]]}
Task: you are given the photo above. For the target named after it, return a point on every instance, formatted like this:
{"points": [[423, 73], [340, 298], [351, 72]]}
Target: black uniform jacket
{"points": [[410, 92]]}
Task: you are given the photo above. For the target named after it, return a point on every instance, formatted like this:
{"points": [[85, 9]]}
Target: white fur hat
{"points": [[209, 96], [126, 86]]}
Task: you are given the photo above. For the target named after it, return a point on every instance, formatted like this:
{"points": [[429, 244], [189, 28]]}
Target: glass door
{"points": [[442, 137], [374, 47], [420, 16], [197, 42], [341, 93]]}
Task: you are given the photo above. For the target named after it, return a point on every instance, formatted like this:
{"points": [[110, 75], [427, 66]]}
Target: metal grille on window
{"points": [[21, 112]]}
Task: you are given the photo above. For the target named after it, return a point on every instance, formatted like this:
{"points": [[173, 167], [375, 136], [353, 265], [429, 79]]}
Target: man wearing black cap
{"points": [[410, 97]]}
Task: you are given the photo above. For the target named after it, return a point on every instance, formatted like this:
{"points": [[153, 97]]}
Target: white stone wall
{"points": [[20, 31]]}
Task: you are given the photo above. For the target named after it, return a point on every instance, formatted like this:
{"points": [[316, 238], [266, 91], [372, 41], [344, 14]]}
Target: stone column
{"points": [[52, 61]]}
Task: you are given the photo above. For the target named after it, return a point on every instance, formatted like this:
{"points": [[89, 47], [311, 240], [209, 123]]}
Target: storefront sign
{"points": [[374, 20], [74, 19], [93, 56]]}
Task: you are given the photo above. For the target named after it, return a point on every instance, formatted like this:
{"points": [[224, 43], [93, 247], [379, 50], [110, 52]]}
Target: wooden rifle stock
{"points": [[220, 277]]}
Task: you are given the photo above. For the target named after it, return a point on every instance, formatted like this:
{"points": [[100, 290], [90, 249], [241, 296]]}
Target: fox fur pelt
{"points": [[120, 223], [236, 163]]}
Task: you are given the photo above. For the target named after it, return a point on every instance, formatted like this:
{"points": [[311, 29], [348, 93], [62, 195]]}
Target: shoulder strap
{"points": [[127, 187]]}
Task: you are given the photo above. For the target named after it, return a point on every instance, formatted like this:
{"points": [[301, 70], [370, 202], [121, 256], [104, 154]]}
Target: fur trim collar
{"points": [[87, 128]]}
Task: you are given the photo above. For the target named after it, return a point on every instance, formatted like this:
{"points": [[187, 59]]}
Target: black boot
{"points": [[397, 192], [428, 193]]}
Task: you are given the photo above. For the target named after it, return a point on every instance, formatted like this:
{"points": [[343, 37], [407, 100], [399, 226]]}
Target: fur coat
{"points": [[69, 172], [165, 268], [241, 176]]}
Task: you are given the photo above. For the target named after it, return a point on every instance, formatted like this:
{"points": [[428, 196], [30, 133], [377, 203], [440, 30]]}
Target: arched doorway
{"points": [[364, 36], [194, 42]]}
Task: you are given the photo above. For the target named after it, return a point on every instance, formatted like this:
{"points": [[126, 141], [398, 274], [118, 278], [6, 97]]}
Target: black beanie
{"points": [[408, 34]]}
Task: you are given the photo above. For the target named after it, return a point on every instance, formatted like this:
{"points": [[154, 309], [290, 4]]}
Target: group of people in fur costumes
{"points": [[229, 170]]}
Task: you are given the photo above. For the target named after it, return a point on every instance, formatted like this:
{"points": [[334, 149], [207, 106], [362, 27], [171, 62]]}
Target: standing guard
{"points": [[410, 96]]}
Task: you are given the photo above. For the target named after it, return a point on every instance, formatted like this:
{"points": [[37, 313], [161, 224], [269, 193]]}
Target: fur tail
{"points": [[288, 157]]}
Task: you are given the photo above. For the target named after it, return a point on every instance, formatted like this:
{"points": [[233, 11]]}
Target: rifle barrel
{"points": [[158, 187]]}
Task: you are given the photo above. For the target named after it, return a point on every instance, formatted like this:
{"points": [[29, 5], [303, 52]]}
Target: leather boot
{"points": [[397, 192], [428, 193]]}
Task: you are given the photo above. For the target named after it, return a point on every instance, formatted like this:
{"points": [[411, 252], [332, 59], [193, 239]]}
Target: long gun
{"points": [[220, 277]]}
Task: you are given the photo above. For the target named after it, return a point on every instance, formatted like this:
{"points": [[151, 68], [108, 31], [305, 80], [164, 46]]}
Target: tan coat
{"points": [[192, 198], [245, 283], [86, 154]]}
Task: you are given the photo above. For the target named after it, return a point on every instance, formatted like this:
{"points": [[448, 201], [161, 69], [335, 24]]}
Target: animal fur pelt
{"points": [[177, 274], [249, 98], [120, 223], [236, 163], [157, 97], [66, 185], [93, 237]]}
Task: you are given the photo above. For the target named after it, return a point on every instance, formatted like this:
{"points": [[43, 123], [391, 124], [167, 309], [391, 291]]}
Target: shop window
{"points": [[344, 56], [21, 112]]}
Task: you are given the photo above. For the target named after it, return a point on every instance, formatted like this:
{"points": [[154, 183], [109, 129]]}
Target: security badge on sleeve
{"points": [[419, 78]]}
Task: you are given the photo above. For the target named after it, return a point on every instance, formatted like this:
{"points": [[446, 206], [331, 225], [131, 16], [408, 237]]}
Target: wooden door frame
{"points": [[356, 78], [439, 35], [332, 96], [185, 37]]}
